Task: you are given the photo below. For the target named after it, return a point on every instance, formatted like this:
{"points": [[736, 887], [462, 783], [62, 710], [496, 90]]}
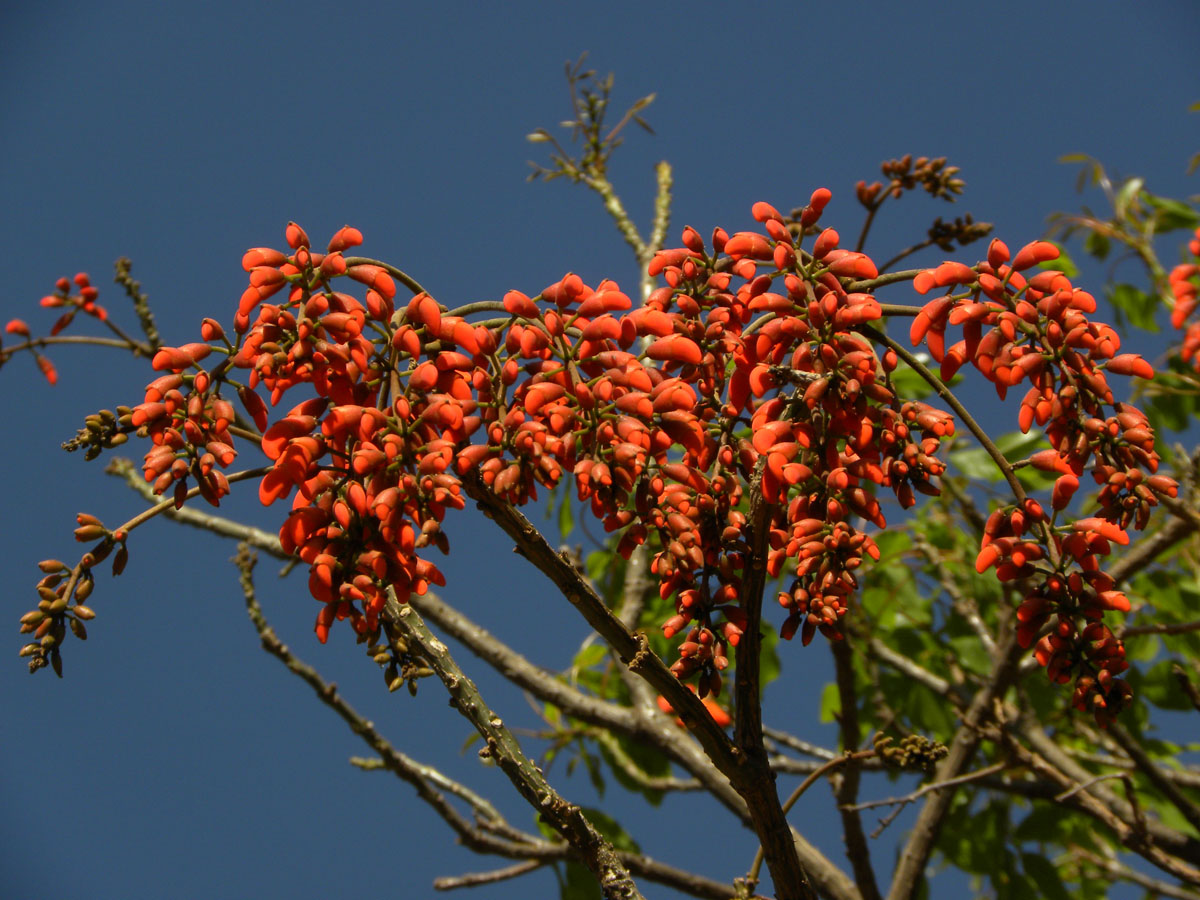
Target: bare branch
{"points": [[1114, 871], [566, 818], [474, 879], [846, 785], [1150, 769]]}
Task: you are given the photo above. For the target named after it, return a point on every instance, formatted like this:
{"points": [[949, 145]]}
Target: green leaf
{"points": [[909, 384], [589, 656], [1126, 195], [646, 758], [566, 519], [1063, 264], [1044, 874], [579, 883], [831, 704], [1097, 245], [611, 829], [1172, 214], [768, 660], [1133, 306], [1162, 689], [1174, 399], [978, 465]]}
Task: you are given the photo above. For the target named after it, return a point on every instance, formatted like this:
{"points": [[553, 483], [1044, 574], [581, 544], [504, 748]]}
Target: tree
{"points": [[738, 432]]}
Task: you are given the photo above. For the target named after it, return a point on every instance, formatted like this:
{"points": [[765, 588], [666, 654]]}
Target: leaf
{"points": [[1172, 214], [589, 656], [1097, 245], [978, 465], [579, 883], [1063, 264], [831, 704], [1133, 306], [1162, 689], [768, 660], [1126, 196], [1044, 875], [646, 758], [566, 518], [611, 829]]}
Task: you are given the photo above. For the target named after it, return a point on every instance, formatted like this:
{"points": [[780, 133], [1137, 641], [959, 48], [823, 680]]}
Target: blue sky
{"points": [[177, 760]]}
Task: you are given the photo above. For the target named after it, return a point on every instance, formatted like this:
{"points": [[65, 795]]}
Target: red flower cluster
{"points": [[1036, 329], [1184, 282], [751, 375]]}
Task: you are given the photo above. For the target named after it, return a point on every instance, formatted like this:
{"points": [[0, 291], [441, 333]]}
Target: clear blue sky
{"points": [[175, 759]]}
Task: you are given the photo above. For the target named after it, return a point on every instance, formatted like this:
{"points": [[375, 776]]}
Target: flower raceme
{"points": [[751, 371], [1036, 329]]}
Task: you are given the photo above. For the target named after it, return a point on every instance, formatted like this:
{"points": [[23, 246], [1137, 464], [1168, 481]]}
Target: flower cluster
{"points": [[740, 414], [1184, 281], [1036, 329]]}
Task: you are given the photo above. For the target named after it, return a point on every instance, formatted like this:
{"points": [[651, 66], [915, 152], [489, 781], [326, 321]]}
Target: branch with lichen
{"points": [[566, 818]]}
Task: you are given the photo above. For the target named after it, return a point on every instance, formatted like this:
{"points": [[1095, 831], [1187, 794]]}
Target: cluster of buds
{"points": [[63, 591], [913, 751], [906, 174], [750, 378], [1184, 282], [1036, 329]]}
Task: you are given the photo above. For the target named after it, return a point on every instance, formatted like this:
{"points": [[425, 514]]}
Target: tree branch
{"points": [[915, 855], [567, 819], [846, 790], [758, 791]]}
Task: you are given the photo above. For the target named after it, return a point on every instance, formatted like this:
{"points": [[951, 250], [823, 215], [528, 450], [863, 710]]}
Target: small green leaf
{"points": [[1063, 264], [1133, 306], [1161, 688], [768, 660], [1126, 195], [611, 829], [589, 656], [1044, 875], [1172, 214], [831, 704], [566, 518], [978, 465], [579, 883], [1097, 245]]}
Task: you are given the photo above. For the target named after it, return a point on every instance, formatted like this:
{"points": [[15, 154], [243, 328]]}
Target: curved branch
{"points": [[567, 819]]}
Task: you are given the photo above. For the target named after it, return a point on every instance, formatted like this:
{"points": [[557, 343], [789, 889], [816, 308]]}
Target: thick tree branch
{"points": [[759, 793], [567, 819]]}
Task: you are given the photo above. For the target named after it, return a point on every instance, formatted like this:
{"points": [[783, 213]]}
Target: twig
{"points": [[1085, 794], [1117, 872], [141, 304], [1066, 771], [1161, 628], [915, 854], [755, 786], [187, 515], [795, 743], [846, 792], [420, 776], [1150, 769], [821, 770], [985, 772], [567, 819], [473, 879], [1084, 785], [906, 666]]}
